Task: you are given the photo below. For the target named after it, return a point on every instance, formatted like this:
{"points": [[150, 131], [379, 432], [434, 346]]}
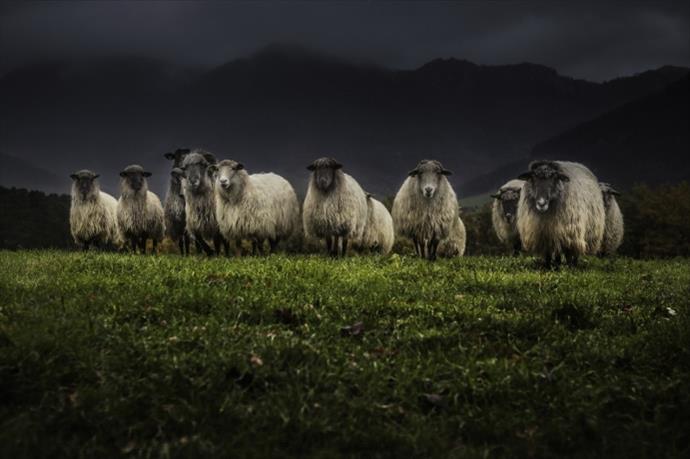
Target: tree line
{"points": [[657, 222]]}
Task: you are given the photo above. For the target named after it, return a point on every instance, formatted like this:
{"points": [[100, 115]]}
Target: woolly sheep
{"points": [[335, 207], [454, 244], [613, 233], [139, 211], [175, 220], [504, 214], [425, 208], [379, 234], [92, 213], [200, 202], [561, 211], [257, 207]]}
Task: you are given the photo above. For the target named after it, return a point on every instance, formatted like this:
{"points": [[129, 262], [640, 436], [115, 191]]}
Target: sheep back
{"points": [[378, 233], [267, 209], [454, 245]]}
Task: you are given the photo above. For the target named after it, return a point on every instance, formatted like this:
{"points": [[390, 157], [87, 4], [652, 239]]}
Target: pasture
{"points": [[303, 356]]}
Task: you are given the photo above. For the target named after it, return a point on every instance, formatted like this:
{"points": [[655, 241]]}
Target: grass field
{"points": [[104, 354]]}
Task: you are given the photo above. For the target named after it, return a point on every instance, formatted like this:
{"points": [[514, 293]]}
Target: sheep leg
{"points": [[154, 250], [571, 258], [417, 248], [142, 244], [199, 247], [433, 245], [238, 247], [344, 246], [201, 244], [186, 240], [180, 243], [226, 247], [217, 244], [255, 247], [516, 249], [329, 245], [273, 243], [133, 241]]}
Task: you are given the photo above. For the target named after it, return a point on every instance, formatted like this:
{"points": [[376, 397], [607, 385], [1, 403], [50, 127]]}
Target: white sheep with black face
{"points": [[200, 202], [139, 211], [504, 214], [379, 234], [615, 228], [335, 208], [174, 206], [93, 213], [561, 211], [258, 207], [426, 207]]}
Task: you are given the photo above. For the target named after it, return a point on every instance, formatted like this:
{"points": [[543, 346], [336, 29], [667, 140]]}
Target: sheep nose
{"points": [[224, 181], [428, 190]]}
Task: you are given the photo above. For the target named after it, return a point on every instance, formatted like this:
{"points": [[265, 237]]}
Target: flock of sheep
{"points": [[555, 209]]}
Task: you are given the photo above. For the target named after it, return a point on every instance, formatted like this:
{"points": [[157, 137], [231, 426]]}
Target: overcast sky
{"points": [[596, 41]]}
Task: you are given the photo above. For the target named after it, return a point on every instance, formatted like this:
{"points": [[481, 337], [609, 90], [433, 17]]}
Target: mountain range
{"points": [[284, 106]]}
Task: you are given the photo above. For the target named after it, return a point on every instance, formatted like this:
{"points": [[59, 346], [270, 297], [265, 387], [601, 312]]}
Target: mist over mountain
{"points": [[283, 106]]}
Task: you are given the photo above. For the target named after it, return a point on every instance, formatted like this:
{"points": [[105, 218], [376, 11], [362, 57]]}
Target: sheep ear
{"points": [[563, 177], [525, 176], [177, 172], [123, 174], [169, 156], [210, 158], [613, 191], [146, 174], [446, 172], [73, 176], [496, 195], [413, 173], [311, 167], [239, 166], [337, 166], [96, 176]]}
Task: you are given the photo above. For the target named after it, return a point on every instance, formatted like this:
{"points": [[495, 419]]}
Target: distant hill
{"points": [[647, 140], [283, 106], [18, 172]]}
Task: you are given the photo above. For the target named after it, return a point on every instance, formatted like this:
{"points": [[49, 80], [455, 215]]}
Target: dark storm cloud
{"points": [[595, 41]]}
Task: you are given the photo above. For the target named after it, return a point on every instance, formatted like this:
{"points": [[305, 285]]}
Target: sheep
{"points": [[200, 202], [175, 221], [379, 234], [425, 208], [257, 207], [92, 213], [504, 214], [139, 211], [613, 233], [561, 211], [335, 207], [454, 244]]}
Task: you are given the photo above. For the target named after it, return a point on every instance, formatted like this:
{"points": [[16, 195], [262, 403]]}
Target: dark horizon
{"points": [[596, 42]]}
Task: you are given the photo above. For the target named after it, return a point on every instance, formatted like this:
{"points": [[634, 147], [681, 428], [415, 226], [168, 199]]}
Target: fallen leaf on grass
{"points": [[355, 329], [255, 360]]}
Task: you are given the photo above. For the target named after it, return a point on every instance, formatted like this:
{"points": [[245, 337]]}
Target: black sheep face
{"points": [[134, 177], [429, 174], [85, 182], [545, 185], [197, 171], [177, 156], [325, 172], [509, 203]]}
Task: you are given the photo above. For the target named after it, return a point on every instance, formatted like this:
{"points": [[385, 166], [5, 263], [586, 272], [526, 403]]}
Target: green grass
{"points": [[104, 354]]}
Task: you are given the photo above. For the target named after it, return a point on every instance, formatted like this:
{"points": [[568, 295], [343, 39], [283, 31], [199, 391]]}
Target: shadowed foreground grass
{"points": [[104, 354]]}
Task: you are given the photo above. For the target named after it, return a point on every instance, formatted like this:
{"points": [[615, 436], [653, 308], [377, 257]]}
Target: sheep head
{"points": [[544, 184], [325, 171], [429, 174]]}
